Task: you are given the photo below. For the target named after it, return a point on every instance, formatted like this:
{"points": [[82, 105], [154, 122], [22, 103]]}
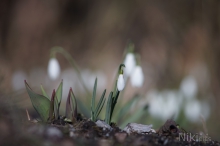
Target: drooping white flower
{"points": [[120, 82], [53, 69], [165, 104], [189, 87], [192, 110], [129, 63], [137, 77]]}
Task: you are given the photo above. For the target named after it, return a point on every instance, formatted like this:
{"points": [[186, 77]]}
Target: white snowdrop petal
{"points": [[120, 83], [129, 62], [53, 69], [137, 77]]}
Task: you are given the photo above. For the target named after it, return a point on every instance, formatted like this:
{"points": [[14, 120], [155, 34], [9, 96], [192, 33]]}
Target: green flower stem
{"points": [[60, 50], [114, 101], [116, 92], [129, 49]]}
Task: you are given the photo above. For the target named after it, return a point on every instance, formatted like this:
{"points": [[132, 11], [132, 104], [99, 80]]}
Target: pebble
{"points": [[102, 124], [138, 128]]}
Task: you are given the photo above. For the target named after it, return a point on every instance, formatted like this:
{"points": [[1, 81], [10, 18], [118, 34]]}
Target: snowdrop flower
{"points": [[121, 81], [164, 104], [193, 110], [137, 77], [189, 87], [129, 63], [53, 69]]}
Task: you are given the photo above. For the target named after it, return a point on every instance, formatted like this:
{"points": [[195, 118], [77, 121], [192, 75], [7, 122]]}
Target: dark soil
{"points": [[18, 131]]}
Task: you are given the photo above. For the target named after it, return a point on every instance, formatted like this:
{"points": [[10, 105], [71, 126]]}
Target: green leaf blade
{"points": [[56, 108], [74, 104], [40, 103], [43, 92], [59, 93], [94, 95], [108, 109], [51, 113], [100, 108], [100, 104], [68, 107], [93, 101]]}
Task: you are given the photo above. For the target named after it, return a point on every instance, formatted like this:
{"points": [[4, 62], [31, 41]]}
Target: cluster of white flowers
{"points": [[193, 108], [164, 104], [168, 103], [133, 70]]}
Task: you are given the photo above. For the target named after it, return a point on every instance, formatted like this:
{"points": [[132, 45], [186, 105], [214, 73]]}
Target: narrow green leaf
{"points": [[100, 108], [43, 92], [114, 101], [74, 104], [68, 107], [100, 104], [93, 101], [56, 108], [59, 95], [115, 87], [51, 113], [108, 108], [116, 98], [40, 103], [94, 95]]}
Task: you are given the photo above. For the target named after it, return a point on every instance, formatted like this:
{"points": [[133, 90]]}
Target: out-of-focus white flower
{"points": [[189, 87], [137, 77], [130, 63], [120, 82], [193, 110], [53, 69], [165, 104]]}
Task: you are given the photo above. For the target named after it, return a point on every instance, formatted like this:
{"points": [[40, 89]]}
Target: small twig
{"points": [[204, 124], [28, 116]]}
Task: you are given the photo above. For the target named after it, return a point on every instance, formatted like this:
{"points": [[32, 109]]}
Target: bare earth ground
{"points": [[19, 131]]}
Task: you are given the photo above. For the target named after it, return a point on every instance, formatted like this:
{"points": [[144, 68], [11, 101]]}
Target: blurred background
{"points": [[178, 42]]}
